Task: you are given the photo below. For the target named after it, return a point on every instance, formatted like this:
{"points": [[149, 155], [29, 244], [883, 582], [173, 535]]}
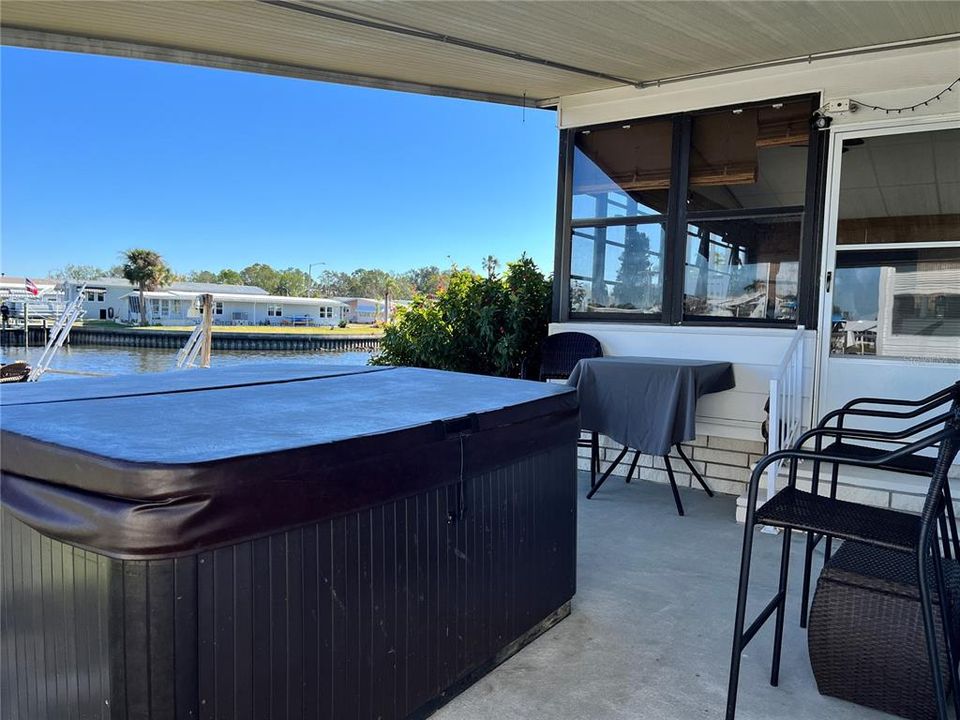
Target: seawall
{"points": [[221, 341]]}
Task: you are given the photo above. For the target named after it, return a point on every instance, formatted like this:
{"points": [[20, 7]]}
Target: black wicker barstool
{"points": [[559, 355], [844, 444], [793, 509]]}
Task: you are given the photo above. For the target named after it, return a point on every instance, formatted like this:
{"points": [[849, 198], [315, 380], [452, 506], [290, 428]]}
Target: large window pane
{"points": [[750, 158], [617, 269], [622, 171], [897, 303], [743, 269], [900, 188]]}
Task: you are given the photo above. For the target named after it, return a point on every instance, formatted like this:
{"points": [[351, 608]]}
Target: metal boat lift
{"points": [[58, 335], [200, 341]]}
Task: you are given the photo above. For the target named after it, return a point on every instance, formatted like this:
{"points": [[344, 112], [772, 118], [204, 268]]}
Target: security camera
{"points": [[821, 121]]}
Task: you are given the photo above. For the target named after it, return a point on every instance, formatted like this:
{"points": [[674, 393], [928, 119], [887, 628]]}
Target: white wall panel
{"points": [[755, 353]]}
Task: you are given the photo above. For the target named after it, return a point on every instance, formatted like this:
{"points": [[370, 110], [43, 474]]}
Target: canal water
{"points": [[81, 361]]}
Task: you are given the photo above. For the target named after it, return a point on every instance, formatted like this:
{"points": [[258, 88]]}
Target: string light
{"points": [[911, 108]]}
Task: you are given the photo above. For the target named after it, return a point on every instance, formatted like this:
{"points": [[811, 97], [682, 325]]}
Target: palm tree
{"points": [[146, 270], [389, 287]]}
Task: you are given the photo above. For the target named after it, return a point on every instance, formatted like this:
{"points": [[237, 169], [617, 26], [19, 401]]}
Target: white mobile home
{"points": [[733, 176], [796, 217], [178, 307], [108, 298], [364, 311]]}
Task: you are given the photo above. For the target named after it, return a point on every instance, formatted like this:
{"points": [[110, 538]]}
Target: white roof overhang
{"points": [[501, 51]]}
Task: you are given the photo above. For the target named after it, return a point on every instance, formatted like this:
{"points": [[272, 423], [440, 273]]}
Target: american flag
{"points": [[31, 287]]}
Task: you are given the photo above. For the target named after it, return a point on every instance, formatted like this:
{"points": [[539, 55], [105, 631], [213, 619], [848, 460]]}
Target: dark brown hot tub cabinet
{"points": [[278, 542]]}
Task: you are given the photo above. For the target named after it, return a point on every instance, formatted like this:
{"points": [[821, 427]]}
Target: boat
{"points": [[14, 372]]}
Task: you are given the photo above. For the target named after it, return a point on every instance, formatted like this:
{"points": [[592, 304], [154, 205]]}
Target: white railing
{"points": [[785, 418]]}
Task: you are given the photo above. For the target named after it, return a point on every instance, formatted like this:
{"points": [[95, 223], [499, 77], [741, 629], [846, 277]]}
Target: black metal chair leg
{"points": [[696, 474], [929, 631], [633, 465], [946, 622], [948, 501], [828, 547], [673, 485], [807, 567], [944, 535], [738, 634], [594, 458], [603, 478], [781, 608]]}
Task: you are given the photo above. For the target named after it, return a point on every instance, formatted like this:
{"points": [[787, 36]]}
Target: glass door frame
{"points": [[898, 126]]}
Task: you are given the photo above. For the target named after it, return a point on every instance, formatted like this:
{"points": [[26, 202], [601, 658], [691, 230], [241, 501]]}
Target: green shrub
{"points": [[342, 324], [487, 325]]}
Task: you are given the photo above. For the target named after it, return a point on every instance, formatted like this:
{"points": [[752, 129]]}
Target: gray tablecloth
{"points": [[648, 404]]}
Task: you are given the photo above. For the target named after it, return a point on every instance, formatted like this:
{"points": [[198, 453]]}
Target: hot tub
{"points": [[278, 542]]}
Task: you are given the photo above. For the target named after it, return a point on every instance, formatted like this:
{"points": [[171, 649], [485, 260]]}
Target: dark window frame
{"points": [[677, 219]]}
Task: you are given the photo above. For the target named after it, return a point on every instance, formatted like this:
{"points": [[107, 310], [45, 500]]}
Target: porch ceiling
{"points": [[618, 41]]}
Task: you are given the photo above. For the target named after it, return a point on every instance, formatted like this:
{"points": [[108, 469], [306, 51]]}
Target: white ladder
{"points": [[58, 334]]}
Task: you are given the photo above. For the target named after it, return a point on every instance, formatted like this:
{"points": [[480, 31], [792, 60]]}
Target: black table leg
{"points": [[594, 457], [697, 475], [603, 478], [633, 466], [673, 485]]}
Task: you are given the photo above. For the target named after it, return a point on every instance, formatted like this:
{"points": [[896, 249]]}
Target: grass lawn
{"points": [[249, 329]]}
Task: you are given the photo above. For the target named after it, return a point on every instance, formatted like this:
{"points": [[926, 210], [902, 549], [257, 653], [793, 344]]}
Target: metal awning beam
{"points": [[65, 42]]}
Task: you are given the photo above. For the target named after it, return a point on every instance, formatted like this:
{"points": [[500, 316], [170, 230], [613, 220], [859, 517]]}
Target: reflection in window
{"points": [[622, 171], [750, 158], [901, 188], [743, 269], [899, 303], [617, 269]]}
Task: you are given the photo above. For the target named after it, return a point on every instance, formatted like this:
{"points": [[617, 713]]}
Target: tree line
{"points": [[362, 282]]}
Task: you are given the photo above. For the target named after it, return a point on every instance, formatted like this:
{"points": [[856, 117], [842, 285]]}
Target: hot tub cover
{"points": [[165, 464]]}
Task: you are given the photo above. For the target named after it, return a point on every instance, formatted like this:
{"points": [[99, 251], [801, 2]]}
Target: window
{"points": [[742, 269], [218, 308], [274, 311], [697, 217], [896, 290], [95, 295], [617, 268], [154, 307], [622, 171]]}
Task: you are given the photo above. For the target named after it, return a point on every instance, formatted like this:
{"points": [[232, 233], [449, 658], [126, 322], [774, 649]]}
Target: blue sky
{"points": [[221, 169]]}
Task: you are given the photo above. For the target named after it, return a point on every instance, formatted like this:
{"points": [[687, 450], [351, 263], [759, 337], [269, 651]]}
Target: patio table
{"points": [[647, 404]]}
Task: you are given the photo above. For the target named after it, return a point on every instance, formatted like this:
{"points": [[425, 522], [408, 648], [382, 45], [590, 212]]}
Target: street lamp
{"points": [[310, 274]]}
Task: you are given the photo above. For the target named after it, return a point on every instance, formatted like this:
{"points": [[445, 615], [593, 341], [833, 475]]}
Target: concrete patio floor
{"points": [[650, 632]]}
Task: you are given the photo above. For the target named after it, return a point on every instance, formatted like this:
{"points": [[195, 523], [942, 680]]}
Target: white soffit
{"points": [[346, 42]]}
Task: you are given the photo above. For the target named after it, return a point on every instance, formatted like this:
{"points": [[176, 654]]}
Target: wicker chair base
{"points": [[865, 635]]}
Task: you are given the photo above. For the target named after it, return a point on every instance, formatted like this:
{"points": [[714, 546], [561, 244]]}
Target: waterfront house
{"points": [[108, 298], [364, 311], [176, 304], [16, 287], [179, 307], [773, 184]]}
